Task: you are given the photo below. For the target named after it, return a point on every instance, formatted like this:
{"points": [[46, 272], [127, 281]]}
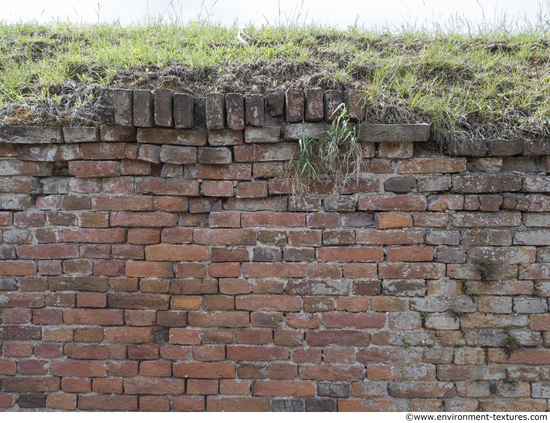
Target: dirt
{"points": [[256, 77]]}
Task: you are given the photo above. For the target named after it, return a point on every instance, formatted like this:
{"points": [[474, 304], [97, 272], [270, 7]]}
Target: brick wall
{"points": [[158, 262]]}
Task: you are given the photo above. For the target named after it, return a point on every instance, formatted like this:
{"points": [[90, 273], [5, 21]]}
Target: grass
{"points": [[336, 155], [488, 82]]}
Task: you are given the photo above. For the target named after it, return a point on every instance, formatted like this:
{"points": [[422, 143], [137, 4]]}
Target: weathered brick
{"points": [[389, 202], [198, 370]]}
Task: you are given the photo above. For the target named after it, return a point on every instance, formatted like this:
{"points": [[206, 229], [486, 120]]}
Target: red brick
{"points": [[350, 254], [234, 387], [388, 304], [217, 189], [431, 220], [431, 165], [126, 369], [119, 203], [302, 321], [205, 370], [144, 220], [224, 270], [155, 368], [411, 271], [76, 385], [17, 268], [254, 336], [393, 220], [185, 336], [330, 372], [45, 251], [47, 317], [410, 254], [191, 270], [107, 386], [323, 220], [233, 171], [143, 236], [95, 352], [78, 368], [109, 268], [338, 337], [227, 254], [61, 401], [171, 204], [16, 316], [252, 190], [256, 353], [268, 302], [153, 403], [185, 302], [376, 405], [94, 169], [13, 349], [177, 235], [108, 403], [149, 269], [163, 186], [532, 356], [202, 387], [209, 353], [280, 270], [389, 237], [307, 355], [176, 253], [225, 236], [173, 352], [93, 317], [7, 367], [224, 220], [228, 319], [128, 335], [77, 267], [352, 320], [189, 404], [275, 388], [238, 404], [272, 219], [95, 236], [29, 219], [389, 202]]}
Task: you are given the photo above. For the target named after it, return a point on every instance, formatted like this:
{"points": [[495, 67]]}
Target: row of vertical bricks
{"points": [[161, 261]]}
